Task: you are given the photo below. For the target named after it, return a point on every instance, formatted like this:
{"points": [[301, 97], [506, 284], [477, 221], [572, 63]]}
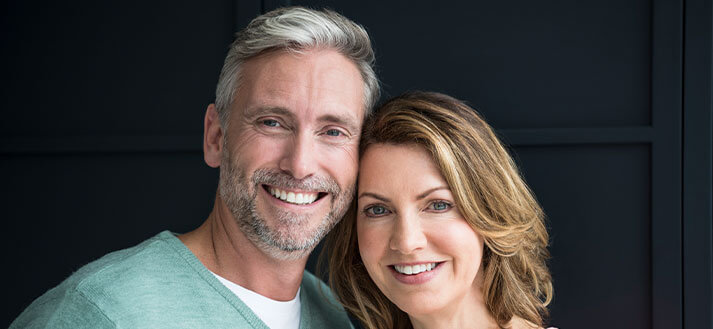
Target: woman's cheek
{"points": [[371, 243]]}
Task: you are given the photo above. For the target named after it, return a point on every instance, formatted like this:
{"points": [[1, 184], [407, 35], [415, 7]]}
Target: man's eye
{"points": [[270, 123], [334, 132], [375, 211], [440, 206]]}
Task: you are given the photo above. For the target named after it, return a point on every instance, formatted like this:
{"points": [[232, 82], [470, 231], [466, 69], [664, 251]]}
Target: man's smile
{"points": [[294, 197]]}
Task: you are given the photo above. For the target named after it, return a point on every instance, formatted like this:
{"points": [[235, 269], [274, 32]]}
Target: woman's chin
{"points": [[420, 306]]}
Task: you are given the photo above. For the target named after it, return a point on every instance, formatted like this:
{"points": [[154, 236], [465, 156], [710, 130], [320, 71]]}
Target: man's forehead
{"points": [[323, 85]]}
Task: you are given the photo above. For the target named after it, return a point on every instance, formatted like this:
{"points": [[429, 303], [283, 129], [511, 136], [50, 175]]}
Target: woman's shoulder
{"points": [[519, 323]]}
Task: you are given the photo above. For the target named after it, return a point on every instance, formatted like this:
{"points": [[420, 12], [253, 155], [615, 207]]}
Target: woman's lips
{"points": [[415, 273]]}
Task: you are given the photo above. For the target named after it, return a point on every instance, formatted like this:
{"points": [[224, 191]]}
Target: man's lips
{"points": [[295, 197]]}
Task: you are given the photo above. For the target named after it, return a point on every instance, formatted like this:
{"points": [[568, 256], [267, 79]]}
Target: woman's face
{"points": [[415, 244]]}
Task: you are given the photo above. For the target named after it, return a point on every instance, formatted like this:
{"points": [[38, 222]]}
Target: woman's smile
{"points": [[418, 273]]}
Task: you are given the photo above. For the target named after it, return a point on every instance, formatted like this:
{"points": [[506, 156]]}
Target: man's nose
{"points": [[407, 236], [299, 158]]}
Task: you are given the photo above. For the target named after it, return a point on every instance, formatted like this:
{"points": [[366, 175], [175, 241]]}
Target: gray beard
{"points": [[290, 238]]}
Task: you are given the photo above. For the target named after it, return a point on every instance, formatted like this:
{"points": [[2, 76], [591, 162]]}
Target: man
{"points": [[284, 130]]}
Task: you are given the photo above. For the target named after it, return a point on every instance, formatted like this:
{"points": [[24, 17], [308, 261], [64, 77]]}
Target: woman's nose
{"points": [[407, 235]]}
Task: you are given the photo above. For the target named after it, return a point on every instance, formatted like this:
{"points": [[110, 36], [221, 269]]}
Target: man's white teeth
{"points": [[414, 269], [292, 197]]}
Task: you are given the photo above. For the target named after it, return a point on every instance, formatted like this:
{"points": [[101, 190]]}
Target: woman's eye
{"points": [[375, 211], [270, 123], [334, 132], [440, 206]]}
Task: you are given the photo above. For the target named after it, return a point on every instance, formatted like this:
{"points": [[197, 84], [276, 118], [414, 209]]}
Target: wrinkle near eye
{"points": [[345, 145], [245, 136]]}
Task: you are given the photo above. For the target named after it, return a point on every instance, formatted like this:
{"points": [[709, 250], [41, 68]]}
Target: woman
{"points": [[444, 233]]}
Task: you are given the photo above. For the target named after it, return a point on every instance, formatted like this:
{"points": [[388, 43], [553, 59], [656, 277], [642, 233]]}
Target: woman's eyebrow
{"points": [[431, 190], [375, 196]]}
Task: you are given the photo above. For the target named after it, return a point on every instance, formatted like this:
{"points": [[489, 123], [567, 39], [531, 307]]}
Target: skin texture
{"points": [[294, 124], [406, 214]]}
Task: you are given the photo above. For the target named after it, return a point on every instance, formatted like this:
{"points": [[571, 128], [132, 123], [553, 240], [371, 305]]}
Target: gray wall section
{"points": [[698, 166], [606, 104], [91, 68], [542, 64], [63, 211], [100, 136], [598, 208]]}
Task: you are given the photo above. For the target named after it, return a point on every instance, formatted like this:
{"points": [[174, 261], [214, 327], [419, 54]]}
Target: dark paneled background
{"points": [[606, 105]]}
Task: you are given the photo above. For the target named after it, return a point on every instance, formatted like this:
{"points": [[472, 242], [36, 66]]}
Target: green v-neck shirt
{"points": [[161, 284]]}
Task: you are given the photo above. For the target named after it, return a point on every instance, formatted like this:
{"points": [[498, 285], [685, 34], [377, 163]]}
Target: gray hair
{"points": [[296, 29]]}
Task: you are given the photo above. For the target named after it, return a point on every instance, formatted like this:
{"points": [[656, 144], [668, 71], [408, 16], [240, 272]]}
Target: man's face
{"points": [[291, 148]]}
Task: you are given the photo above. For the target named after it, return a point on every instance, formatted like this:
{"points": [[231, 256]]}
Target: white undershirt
{"points": [[275, 314]]}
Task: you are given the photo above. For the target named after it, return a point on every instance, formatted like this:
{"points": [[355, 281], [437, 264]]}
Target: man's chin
{"points": [[288, 245], [282, 253], [286, 235]]}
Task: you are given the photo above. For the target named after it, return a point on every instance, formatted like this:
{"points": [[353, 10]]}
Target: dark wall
{"points": [[100, 135], [606, 105]]}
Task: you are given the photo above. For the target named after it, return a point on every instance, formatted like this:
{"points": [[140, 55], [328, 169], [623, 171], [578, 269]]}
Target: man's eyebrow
{"points": [[346, 121], [263, 110], [375, 196], [429, 191]]}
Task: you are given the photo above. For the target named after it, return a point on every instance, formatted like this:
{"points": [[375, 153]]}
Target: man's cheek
{"points": [[348, 155], [258, 146], [345, 167]]}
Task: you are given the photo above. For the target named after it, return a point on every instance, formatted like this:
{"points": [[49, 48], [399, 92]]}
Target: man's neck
{"points": [[225, 250]]}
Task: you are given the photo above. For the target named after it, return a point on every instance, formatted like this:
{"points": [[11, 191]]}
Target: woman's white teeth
{"points": [[414, 269], [292, 197]]}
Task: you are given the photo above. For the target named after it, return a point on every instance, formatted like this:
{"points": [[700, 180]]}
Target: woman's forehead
{"points": [[398, 167]]}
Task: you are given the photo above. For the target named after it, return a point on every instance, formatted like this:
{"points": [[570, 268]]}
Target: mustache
{"points": [[265, 176]]}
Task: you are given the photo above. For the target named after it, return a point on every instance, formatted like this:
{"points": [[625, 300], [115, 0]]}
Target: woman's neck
{"points": [[467, 320], [461, 320], [469, 312]]}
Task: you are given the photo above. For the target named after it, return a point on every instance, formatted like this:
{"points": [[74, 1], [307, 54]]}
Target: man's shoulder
{"points": [[62, 308], [322, 308], [120, 270], [107, 284]]}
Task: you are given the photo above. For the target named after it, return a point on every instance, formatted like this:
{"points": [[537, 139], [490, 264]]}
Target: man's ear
{"points": [[212, 138]]}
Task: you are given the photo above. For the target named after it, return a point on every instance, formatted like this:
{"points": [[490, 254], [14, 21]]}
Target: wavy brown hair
{"points": [[490, 194]]}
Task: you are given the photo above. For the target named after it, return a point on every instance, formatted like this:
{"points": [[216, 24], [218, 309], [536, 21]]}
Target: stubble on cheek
{"points": [[289, 235]]}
